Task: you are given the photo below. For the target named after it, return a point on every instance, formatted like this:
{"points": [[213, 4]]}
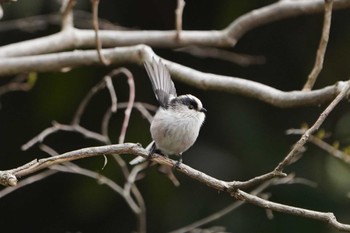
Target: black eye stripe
{"points": [[185, 100]]}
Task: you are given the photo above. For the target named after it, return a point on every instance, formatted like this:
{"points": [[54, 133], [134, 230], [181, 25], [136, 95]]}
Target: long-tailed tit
{"points": [[175, 126]]}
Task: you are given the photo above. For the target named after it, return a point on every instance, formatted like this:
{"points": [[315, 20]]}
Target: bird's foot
{"points": [[178, 163]]}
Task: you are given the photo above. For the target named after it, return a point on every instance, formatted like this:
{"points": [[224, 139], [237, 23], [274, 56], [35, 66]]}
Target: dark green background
{"points": [[240, 139]]}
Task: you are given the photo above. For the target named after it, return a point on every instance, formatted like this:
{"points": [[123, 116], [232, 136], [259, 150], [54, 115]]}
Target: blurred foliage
{"points": [[240, 139]]}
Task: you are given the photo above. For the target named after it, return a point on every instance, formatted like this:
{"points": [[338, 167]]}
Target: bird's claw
{"points": [[178, 163]]}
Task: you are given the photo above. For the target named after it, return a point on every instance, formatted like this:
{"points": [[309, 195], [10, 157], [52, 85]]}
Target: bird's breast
{"points": [[174, 134]]}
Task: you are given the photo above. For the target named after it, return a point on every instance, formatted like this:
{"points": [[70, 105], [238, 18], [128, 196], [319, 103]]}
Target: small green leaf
{"points": [[321, 134], [32, 77]]}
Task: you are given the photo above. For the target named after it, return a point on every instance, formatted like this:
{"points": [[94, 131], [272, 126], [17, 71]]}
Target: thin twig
{"points": [[95, 26], [67, 14], [143, 108], [105, 122], [141, 214], [27, 181], [83, 104], [133, 175], [131, 188], [20, 83], [331, 150], [239, 59], [63, 127], [114, 106], [324, 146], [1, 11], [142, 224], [130, 105], [219, 214], [41, 22], [256, 180], [178, 17], [298, 147], [75, 123], [328, 218], [113, 95], [102, 180], [328, 6]]}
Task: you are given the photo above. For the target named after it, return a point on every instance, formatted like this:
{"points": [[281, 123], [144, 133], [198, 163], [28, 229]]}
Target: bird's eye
{"points": [[190, 106]]}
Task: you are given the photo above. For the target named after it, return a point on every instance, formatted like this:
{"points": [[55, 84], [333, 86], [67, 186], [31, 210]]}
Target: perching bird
{"points": [[175, 126]]}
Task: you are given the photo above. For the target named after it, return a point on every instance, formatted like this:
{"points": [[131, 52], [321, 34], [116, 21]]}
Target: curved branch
{"points": [[206, 81], [72, 38], [36, 165], [135, 149], [328, 218], [280, 10]]}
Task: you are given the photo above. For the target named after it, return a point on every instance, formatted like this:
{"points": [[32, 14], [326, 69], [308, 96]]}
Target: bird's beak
{"points": [[203, 110]]}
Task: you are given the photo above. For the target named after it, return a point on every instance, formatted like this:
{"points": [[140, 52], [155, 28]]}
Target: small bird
{"points": [[175, 126]]}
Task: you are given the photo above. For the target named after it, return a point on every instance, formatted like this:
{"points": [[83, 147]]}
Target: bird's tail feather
{"points": [[140, 159]]}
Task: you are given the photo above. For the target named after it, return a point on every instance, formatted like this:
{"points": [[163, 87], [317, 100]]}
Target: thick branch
{"points": [[36, 165], [129, 148], [206, 81], [74, 38], [280, 10]]}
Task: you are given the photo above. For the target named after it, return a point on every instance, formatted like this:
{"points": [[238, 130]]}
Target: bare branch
{"points": [[323, 145], [132, 177], [130, 105], [67, 14], [113, 95], [22, 82], [298, 147], [41, 22], [144, 109], [239, 59], [328, 218], [36, 165], [274, 12], [75, 124], [227, 209], [129, 148], [256, 180], [62, 127], [228, 37], [113, 109], [141, 107], [206, 81], [178, 17], [328, 5], [83, 104], [290, 179], [27, 181], [1, 12], [137, 210], [95, 3]]}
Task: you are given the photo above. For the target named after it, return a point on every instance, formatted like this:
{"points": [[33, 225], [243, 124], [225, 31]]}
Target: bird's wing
{"points": [[163, 86]]}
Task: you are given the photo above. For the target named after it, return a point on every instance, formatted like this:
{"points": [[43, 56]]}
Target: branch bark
{"points": [[205, 81], [9, 177], [135, 149], [72, 38], [328, 6], [328, 218]]}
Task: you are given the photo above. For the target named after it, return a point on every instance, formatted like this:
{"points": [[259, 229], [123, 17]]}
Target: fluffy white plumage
{"points": [[176, 125]]}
